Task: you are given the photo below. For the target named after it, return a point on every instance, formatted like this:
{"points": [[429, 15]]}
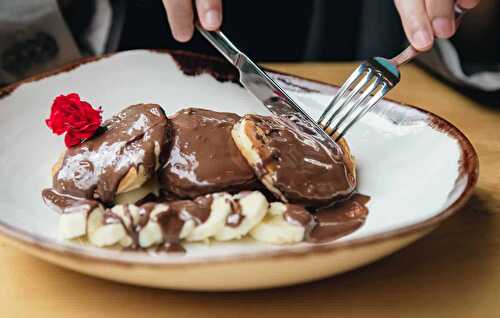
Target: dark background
{"points": [[266, 30], [301, 30]]}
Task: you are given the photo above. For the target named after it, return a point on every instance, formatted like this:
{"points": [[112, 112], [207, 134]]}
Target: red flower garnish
{"points": [[74, 117]]}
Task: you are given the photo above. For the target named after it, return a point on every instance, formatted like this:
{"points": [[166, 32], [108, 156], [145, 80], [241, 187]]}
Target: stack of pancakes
{"points": [[146, 158]]}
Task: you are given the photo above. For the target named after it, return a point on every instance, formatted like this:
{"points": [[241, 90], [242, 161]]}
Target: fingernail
{"points": [[212, 19], [183, 35], [443, 27], [421, 39]]}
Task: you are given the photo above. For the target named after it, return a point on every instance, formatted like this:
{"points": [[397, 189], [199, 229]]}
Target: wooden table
{"points": [[454, 272]]}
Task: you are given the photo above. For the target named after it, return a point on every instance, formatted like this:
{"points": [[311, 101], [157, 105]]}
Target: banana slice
{"points": [[276, 229], [151, 234], [230, 218], [220, 209], [250, 210], [100, 234], [72, 225], [107, 235], [73, 221], [129, 215]]}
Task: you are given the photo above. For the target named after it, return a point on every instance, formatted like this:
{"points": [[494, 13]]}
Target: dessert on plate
{"points": [[203, 157], [145, 181]]}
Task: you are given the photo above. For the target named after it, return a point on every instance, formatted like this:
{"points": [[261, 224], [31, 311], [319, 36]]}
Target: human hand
{"points": [[180, 15], [425, 19]]}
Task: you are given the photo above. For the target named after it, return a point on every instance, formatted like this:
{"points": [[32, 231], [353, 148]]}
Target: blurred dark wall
{"points": [[307, 30], [281, 30]]}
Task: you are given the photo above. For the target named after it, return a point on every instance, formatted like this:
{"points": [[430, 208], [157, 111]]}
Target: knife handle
{"points": [[222, 43]]}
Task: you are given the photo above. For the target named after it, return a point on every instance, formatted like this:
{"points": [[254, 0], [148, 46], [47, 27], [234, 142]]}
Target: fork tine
{"points": [[354, 76], [342, 104], [368, 91], [373, 101]]}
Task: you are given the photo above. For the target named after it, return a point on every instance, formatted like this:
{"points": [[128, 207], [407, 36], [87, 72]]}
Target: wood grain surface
{"points": [[453, 272]]}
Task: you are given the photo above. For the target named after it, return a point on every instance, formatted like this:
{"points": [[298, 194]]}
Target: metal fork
{"points": [[369, 83]]}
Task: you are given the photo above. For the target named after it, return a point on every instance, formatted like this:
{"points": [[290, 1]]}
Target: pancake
{"points": [[204, 158], [293, 163], [119, 160]]}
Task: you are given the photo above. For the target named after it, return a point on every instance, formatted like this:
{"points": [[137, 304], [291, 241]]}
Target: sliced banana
{"points": [[129, 215], [72, 225], [95, 220], [277, 208], [275, 229], [107, 235], [120, 211], [126, 241], [101, 234], [187, 228], [253, 209], [220, 209], [250, 212], [150, 235]]}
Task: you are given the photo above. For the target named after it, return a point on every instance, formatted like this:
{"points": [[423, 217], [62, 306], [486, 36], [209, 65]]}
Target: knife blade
{"points": [[263, 87]]}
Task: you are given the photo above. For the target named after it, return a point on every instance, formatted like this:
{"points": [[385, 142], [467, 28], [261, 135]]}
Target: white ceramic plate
{"points": [[417, 168]]}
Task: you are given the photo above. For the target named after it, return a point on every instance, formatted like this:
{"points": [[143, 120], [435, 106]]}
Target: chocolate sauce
{"points": [[171, 225], [298, 215], [134, 229], [306, 171], [198, 210], [64, 203], [95, 168], [172, 221], [172, 247], [235, 218], [110, 218], [150, 198], [339, 220], [144, 215], [204, 158]]}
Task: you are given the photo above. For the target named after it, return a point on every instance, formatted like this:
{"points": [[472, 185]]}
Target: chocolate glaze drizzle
{"points": [[298, 215], [306, 171], [95, 168], [171, 219], [235, 218], [63, 203], [339, 220], [204, 158]]}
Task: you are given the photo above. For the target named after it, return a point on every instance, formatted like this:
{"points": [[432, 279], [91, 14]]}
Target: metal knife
{"points": [[267, 91]]}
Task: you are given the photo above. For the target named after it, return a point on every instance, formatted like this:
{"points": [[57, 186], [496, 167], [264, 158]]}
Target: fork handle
{"points": [[410, 52]]}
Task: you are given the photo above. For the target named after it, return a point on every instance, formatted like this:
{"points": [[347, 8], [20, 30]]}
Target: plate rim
{"points": [[469, 167]]}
